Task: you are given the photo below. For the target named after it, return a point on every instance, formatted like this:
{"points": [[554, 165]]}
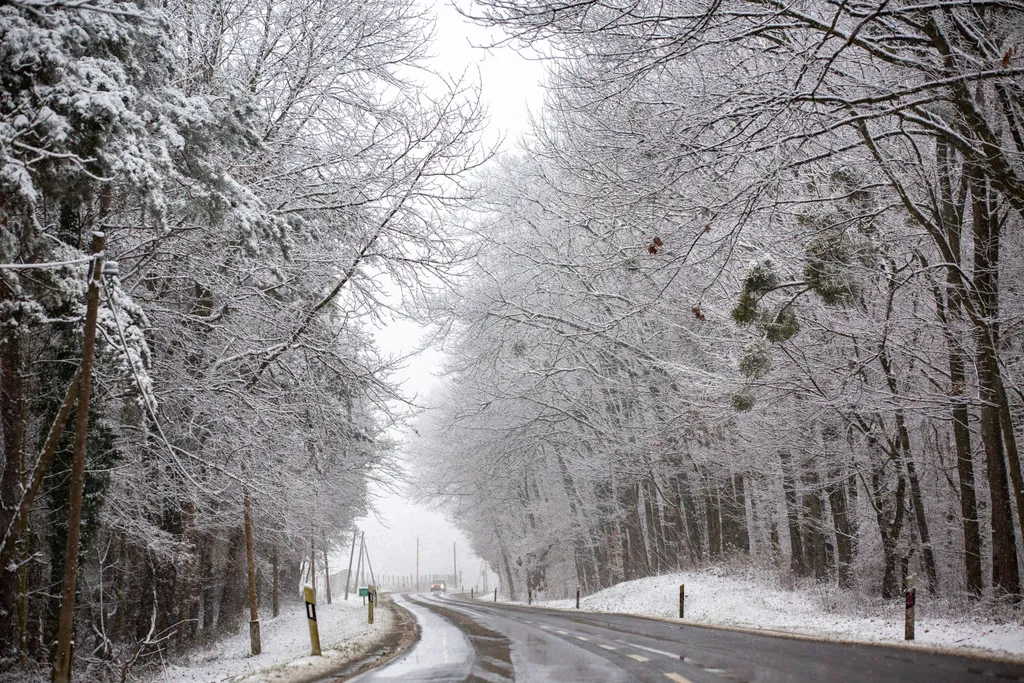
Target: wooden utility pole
{"points": [[417, 563], [66, 621], [359, 562], [369, 566], [348, 576], [455, 568], [250, 557]]}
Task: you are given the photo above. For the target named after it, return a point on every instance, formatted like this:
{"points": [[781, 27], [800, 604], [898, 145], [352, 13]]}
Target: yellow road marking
{"points": [[607, 647], [638, 658], [677, 678]]}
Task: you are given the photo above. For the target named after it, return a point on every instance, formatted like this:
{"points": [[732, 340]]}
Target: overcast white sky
{"points": [[511, 88]]}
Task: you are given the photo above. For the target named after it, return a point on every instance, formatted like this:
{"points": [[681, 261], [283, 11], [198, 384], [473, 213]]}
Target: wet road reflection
{"points": [[443, 653]]}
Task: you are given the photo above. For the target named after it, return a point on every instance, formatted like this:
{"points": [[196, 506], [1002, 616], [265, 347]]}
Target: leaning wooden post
{"points": [[250, 556], [911, 595], [682, 599], [314, 633], [66, 621]]}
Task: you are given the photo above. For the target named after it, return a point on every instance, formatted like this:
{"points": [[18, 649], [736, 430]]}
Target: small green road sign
{"points": [[364, 591]]}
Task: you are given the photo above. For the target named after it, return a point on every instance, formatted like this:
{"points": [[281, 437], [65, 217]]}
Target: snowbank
{"points": [[751, 601], [285, 640]]}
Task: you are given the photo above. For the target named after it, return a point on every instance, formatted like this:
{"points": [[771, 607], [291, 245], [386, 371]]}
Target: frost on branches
{"points": [[749, 291], [262, 171]]}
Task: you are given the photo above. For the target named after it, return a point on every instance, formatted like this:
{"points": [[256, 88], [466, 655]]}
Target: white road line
{"points": [[651, 649], [562, 633], [639, 658], [582, 638], [677, 678], [607, 647]]}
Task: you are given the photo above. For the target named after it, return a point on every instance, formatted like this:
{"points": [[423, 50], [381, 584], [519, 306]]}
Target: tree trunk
{"points": [[950, 311], [12, 422], [814, 526], [965, 471], [714, 517], [327, 577], [844, 530], [902, 447], [735, 537], [986, 285], [312, 564], [275, 589], [797, 560], [250, 563], [508, 571]]}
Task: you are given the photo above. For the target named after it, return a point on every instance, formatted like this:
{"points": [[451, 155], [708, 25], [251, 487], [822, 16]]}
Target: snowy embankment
{"points": [[285, 639], [758, 602]]}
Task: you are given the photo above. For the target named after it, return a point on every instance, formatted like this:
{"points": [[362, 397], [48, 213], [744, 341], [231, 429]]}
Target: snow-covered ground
{"points": [[286, 649], [758, 601]]}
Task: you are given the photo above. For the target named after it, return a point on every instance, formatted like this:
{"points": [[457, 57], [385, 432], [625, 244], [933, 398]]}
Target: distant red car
{"points": [[437, 587]]}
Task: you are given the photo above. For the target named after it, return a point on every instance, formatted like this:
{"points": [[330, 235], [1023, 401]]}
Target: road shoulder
{"points": [[397, 632]]}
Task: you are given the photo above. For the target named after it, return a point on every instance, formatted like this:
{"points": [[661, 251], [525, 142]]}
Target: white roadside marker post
{"points": [[314, 633]]}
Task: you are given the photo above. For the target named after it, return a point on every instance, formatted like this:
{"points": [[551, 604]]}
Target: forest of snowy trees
{"points": [[751, 293], [268, 176]]}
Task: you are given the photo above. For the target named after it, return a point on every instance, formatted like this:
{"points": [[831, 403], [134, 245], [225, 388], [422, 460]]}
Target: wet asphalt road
{"points": [[480, 641]]}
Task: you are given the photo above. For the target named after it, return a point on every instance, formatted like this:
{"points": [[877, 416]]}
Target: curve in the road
{"points": [[506, 642]]}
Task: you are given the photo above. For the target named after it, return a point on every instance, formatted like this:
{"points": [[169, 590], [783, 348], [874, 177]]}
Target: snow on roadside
{"points": [[285, 640], [751, 601]]}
